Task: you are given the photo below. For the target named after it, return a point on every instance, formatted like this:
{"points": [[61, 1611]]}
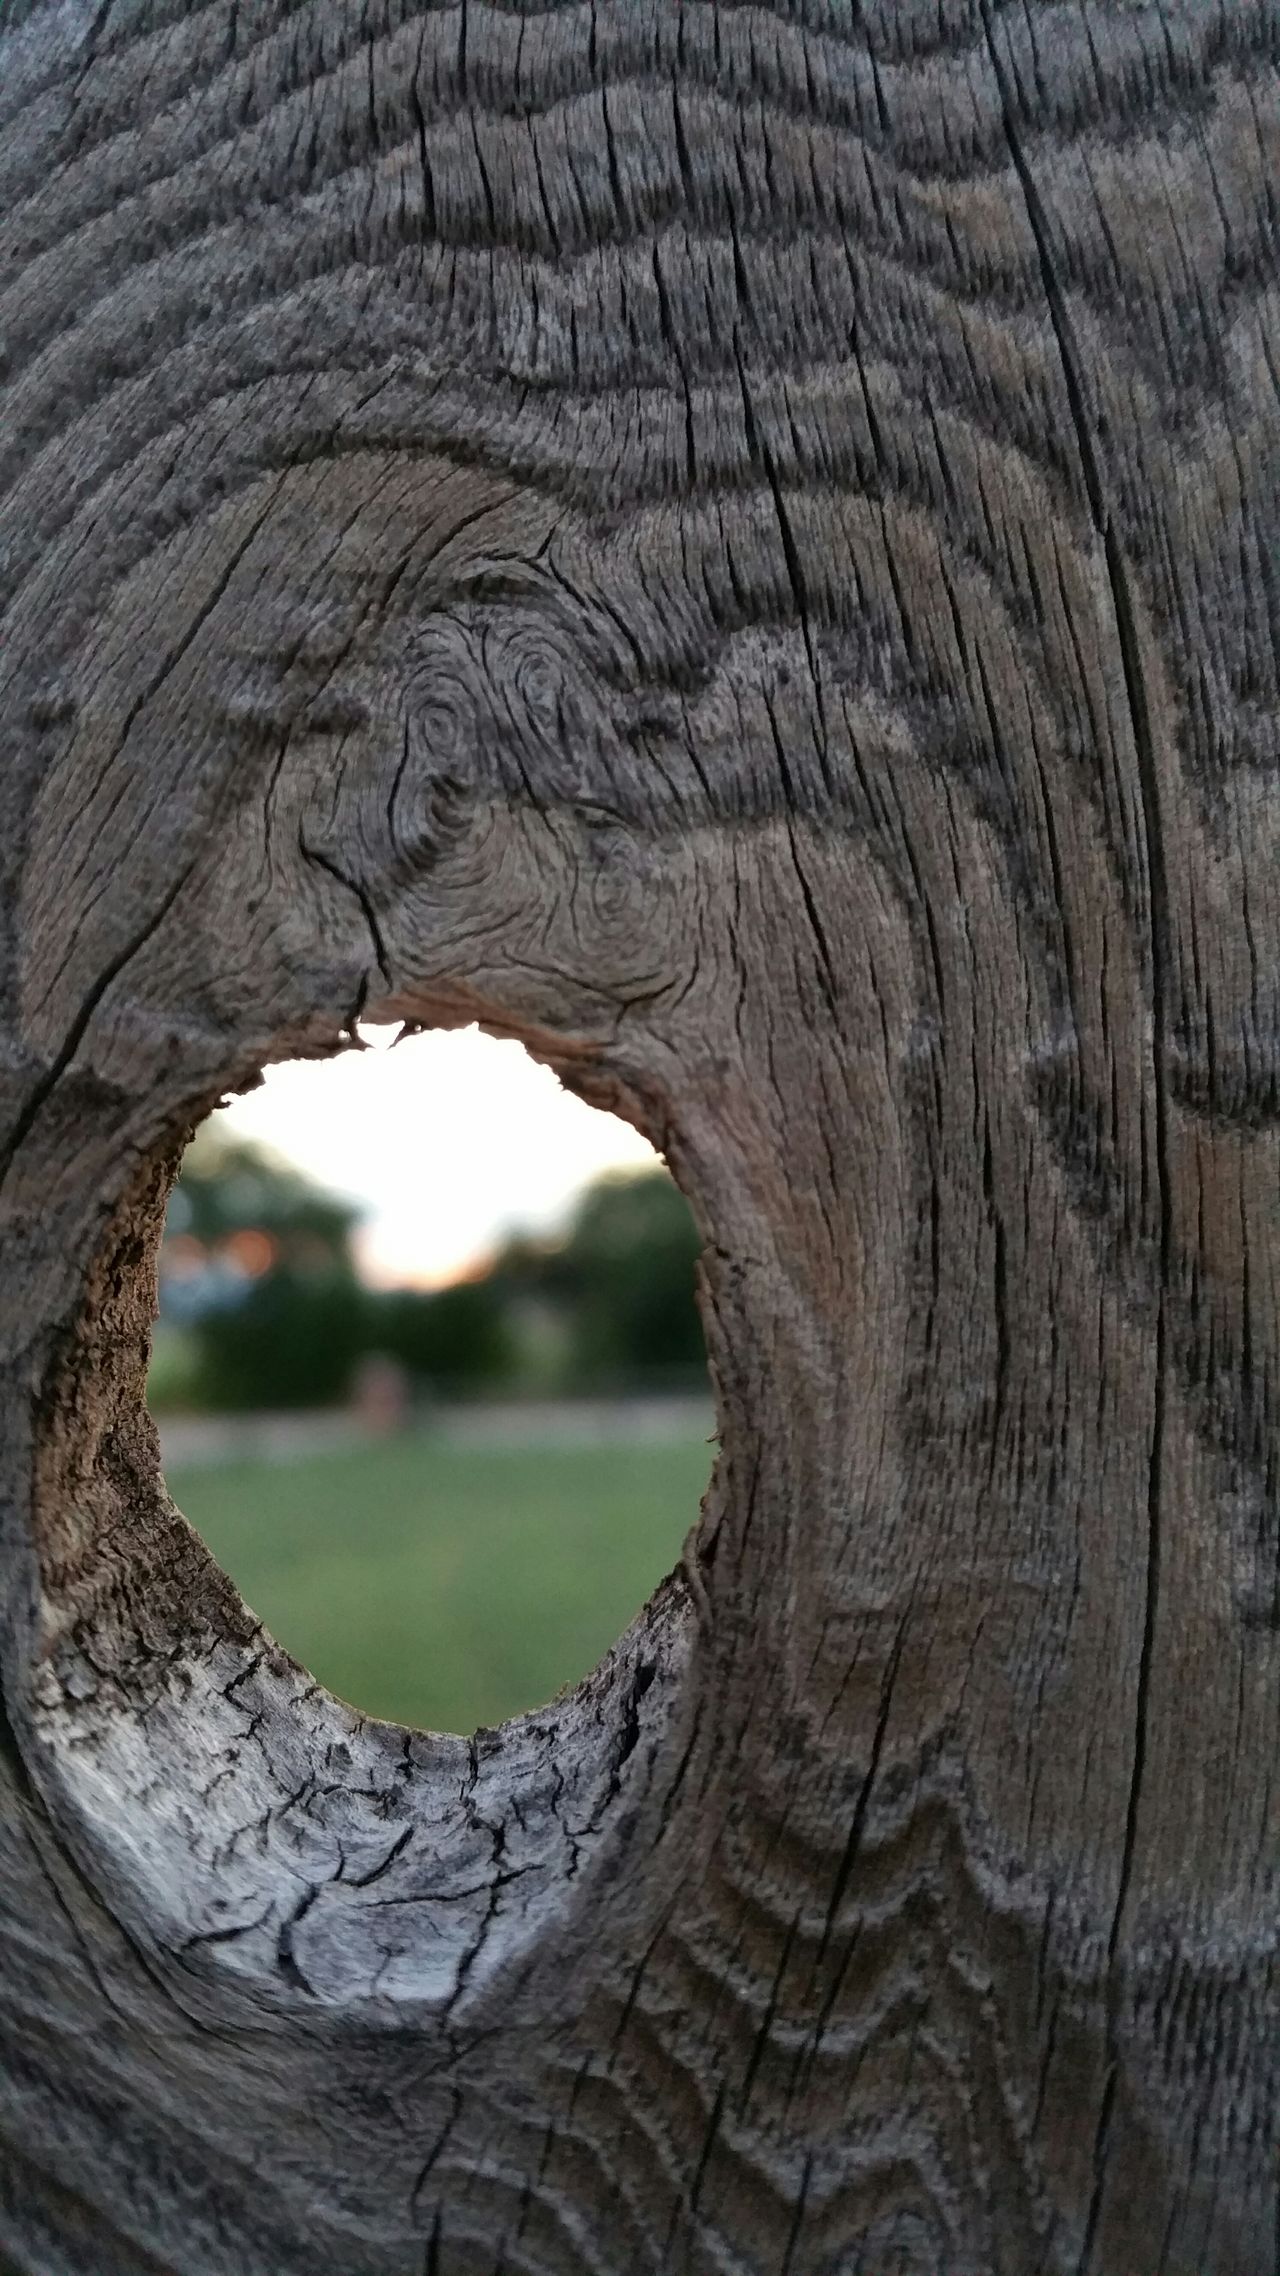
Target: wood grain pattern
{"points": [[740, 544]]}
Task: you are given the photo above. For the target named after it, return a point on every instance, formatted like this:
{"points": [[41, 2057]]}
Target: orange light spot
{"points": [[252, 1250]]}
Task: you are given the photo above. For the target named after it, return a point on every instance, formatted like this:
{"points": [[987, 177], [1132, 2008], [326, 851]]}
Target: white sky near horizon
{"points": [[448, 1142]]}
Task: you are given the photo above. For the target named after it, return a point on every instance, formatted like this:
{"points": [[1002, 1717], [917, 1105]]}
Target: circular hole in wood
{"points": [[429, 1372]]}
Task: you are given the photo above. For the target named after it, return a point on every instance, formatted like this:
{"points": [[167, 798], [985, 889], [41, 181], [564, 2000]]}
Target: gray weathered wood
{"points": [[740, 545]]}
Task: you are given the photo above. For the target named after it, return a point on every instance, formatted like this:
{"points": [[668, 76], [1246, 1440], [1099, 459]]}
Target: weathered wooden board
{"points": [[740, 544]]}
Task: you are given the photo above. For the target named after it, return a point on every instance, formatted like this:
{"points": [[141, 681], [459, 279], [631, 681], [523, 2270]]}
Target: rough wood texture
{"points": [[739, 544]]}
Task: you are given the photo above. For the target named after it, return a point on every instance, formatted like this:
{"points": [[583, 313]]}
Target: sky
{"points": [[449, 1141]]}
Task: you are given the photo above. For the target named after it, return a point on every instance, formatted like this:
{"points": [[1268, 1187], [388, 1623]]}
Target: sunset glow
{"points": [[449, 1141]]}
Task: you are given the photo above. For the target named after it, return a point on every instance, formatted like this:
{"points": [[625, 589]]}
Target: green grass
{"points": [[449, 1587]]}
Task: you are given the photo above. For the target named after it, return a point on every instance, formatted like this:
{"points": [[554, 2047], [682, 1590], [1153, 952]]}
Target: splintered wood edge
{"points": [[260, 1839]]}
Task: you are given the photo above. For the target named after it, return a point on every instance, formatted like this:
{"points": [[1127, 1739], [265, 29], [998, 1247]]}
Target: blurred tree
{"points": [[291, 1340], [231, 1185], [626, 1274], [257, 1262], [454, 1337]]}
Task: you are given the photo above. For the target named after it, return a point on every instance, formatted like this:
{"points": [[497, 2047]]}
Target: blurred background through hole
{"points": [[429, 1373]]}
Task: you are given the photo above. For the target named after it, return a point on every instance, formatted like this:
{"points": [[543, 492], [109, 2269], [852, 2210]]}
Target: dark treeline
{"points": [[261, 1304]]}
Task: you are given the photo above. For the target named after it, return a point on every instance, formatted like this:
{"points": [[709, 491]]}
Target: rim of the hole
{"points": [[688, 1576], [140, 1758]]}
